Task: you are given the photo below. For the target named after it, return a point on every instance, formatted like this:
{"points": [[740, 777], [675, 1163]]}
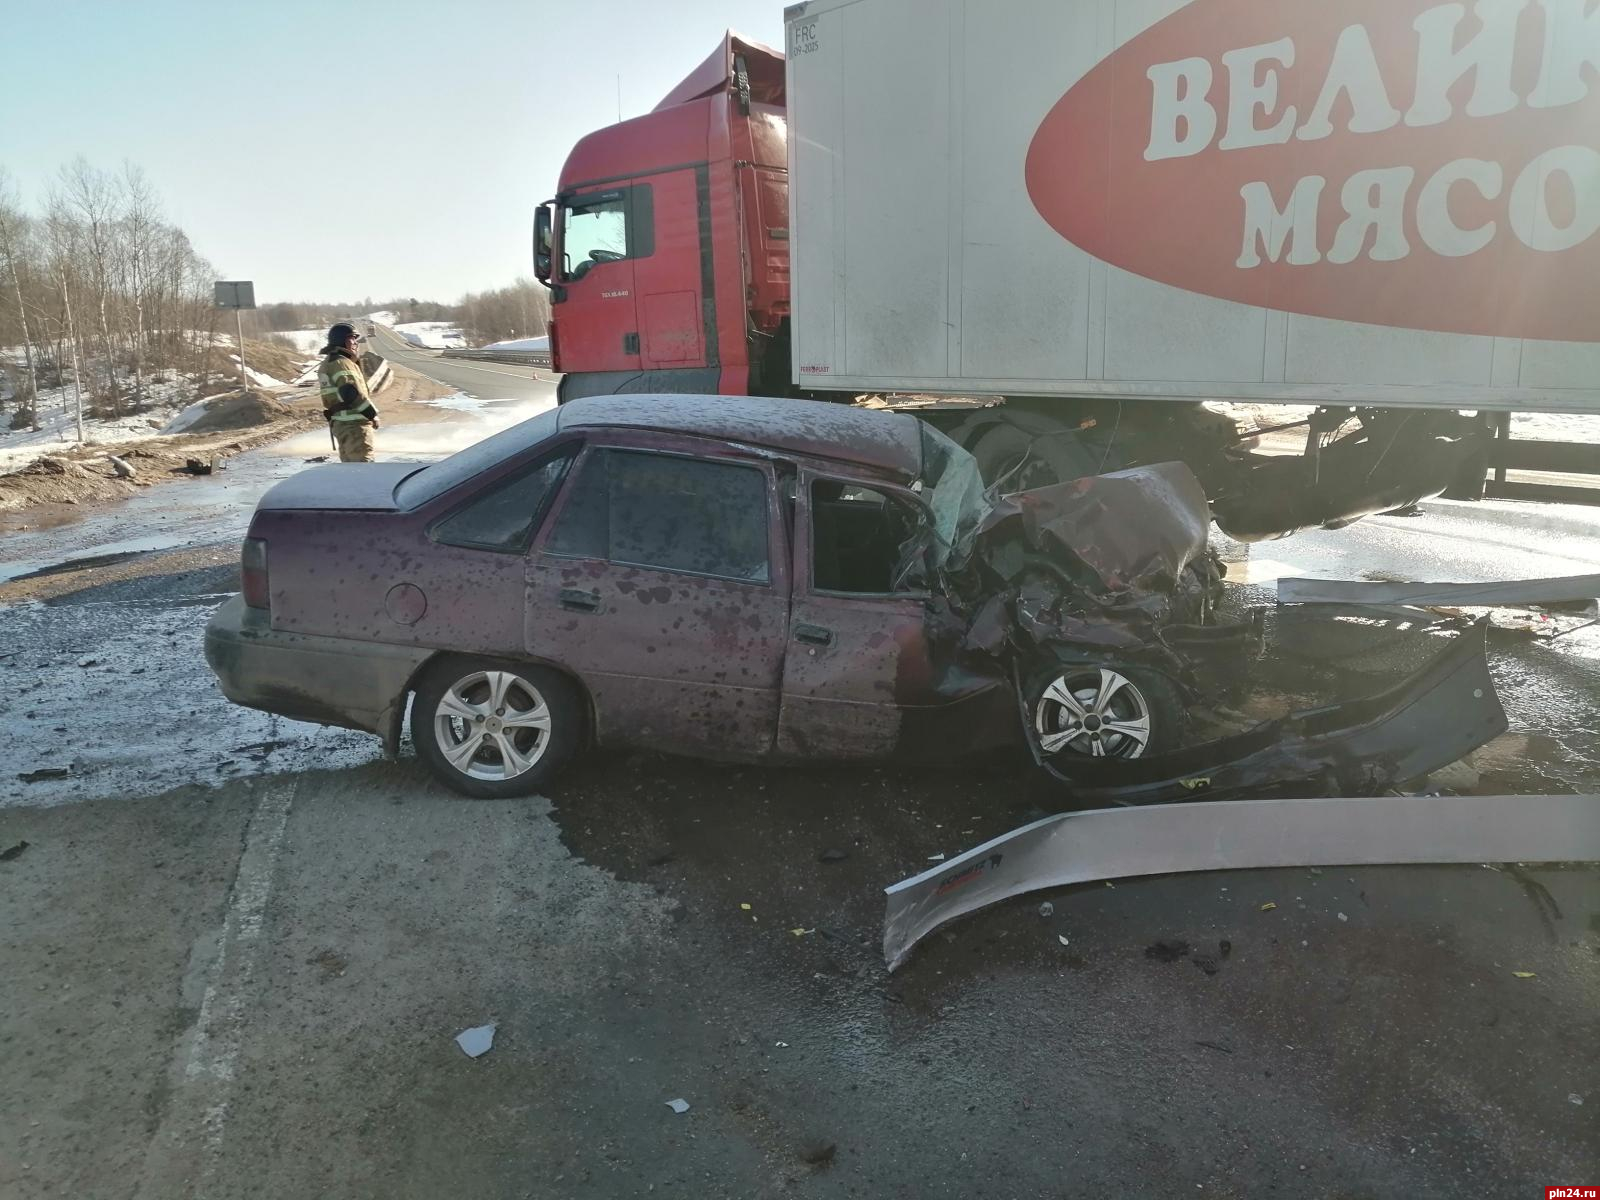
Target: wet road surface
{"points": [[237, 949], [489, 381]]}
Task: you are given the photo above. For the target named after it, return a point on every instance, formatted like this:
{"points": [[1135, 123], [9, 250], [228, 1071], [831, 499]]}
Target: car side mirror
{"points": [[541, 242]]}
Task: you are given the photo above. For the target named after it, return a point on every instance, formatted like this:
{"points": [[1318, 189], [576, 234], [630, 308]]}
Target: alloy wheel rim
{"points": [[492, 725], [1098, 713]]}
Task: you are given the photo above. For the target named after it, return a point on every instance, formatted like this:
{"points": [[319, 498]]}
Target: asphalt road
{"points": [[236, 951], [489, 381]]}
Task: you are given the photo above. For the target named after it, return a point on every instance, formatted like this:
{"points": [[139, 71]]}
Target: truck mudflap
{"points": [[1360, 748], [1081, 847]]}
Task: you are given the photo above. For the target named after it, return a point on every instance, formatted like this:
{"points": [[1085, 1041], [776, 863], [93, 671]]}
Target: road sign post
{"points": [[237, 294]]}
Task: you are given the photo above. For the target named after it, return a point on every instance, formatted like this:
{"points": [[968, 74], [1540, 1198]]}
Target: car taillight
{"points": [[253, 573]]}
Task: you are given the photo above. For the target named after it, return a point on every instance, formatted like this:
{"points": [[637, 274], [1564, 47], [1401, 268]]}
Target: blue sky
{"points": [[332, 151]]}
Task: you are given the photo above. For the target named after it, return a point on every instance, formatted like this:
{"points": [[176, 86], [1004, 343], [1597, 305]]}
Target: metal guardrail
{"points": [[526, 358]]}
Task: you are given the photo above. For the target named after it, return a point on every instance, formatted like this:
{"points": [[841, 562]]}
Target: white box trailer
{"points": [[1360, 202]]}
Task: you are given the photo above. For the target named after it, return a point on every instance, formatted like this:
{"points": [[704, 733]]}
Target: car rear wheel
{"points": [[1104, 712], [495, 729]]}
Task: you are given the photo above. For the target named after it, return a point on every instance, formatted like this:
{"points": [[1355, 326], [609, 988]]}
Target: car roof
{"points": [[884, 441]]}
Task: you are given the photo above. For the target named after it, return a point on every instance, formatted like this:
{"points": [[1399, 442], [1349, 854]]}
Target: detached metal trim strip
{"points": [[1506, 591], [1229, 835]]}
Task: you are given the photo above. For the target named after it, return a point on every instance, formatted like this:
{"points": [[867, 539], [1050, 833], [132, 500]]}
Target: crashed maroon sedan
{"points": [[741, 579]]}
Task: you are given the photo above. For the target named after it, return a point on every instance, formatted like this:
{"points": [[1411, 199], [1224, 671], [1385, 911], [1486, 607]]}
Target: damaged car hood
{"points": [[1129, 531]]}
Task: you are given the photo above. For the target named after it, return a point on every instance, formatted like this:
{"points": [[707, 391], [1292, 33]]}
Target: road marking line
{"points": [[210, 1063]]}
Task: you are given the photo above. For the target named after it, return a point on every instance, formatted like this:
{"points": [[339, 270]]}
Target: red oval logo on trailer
{"points": [[1398, 162]]}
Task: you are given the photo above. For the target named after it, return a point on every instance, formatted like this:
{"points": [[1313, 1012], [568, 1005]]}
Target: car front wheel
{"points": [[1104, 712], [495, 729]]}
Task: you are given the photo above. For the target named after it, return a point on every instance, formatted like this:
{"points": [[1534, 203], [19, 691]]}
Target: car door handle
{"points": [[813, 635], [580, 601]]}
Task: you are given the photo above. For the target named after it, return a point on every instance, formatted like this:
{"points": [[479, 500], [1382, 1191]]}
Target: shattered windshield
{"points": [[952, 488]]}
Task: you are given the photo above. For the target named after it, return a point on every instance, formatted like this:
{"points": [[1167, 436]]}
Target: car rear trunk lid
{"points": [[366, 487]]}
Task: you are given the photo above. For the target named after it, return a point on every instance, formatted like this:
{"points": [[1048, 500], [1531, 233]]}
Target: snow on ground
{"points": [[432, 335], [307, 341], [58, 426], [84, 667], [259, 378], [382, 318], [533, 343]]}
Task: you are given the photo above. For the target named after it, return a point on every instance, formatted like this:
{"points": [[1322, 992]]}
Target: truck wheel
{"points": [[1055, 457], [495, 729], [1104, 712]]}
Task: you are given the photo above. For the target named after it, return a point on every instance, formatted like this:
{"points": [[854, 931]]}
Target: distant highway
{"points": [[488, 381]]}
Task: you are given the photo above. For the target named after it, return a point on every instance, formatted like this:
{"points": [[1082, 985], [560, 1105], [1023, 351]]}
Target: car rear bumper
{"points": [[325, 680]]}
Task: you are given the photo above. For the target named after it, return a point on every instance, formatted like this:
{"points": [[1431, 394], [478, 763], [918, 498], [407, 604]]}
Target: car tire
{"points": [[1133, 698], [493, 729]]}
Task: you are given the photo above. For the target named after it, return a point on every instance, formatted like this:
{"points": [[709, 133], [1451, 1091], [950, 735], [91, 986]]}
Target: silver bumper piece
{"points": [[1224, 835]]}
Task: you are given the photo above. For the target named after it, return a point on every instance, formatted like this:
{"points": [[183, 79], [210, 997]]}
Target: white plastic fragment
{"points": [[475, 1042], [1062, 938], [678, 1106]]}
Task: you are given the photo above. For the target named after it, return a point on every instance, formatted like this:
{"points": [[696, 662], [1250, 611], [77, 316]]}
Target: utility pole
{"points": [[238, 318], [237, 294]]}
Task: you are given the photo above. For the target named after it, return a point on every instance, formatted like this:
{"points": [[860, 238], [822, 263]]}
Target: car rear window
{"points": [[658, 510], [434, 481], [505, 517]]}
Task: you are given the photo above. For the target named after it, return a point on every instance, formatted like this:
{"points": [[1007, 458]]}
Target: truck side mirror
{"points": [[541, 242]]}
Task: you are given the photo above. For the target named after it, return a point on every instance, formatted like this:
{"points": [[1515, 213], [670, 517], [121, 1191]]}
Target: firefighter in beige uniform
{"points": [[345, 401]]}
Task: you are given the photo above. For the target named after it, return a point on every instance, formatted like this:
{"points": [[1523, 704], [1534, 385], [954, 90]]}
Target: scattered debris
{"points": [[1224, 948], [935, 858], [801, 932], [122, 467], [743, 907], [817, 1152], [1218, 1046], [1574, 1098], [333, 965], [1047, 909], [88, 662], [1167, 951], [475, 1042], [44, 773], [1526, 974], [1342, 917], [321, 458], [199, 466], [11, 852], [781, 1045], [1062, 938], [1205, 963], [832, 856], [1269, 906], [679, 1106]]}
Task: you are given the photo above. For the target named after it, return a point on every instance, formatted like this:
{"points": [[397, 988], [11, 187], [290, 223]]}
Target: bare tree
{"points": [[62, 236], [140, 215], [89, 192], [12, 228]]}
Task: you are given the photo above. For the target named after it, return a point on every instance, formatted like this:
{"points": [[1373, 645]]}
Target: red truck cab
{"points": [[666, 249]]}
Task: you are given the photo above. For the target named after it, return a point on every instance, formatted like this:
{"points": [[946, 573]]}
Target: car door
{"points": [[662, 582], [857, 658]]}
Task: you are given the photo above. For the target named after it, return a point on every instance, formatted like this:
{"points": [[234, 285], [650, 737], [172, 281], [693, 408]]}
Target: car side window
{"points": [[506, 518], [862, 541], [659, 510]]}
